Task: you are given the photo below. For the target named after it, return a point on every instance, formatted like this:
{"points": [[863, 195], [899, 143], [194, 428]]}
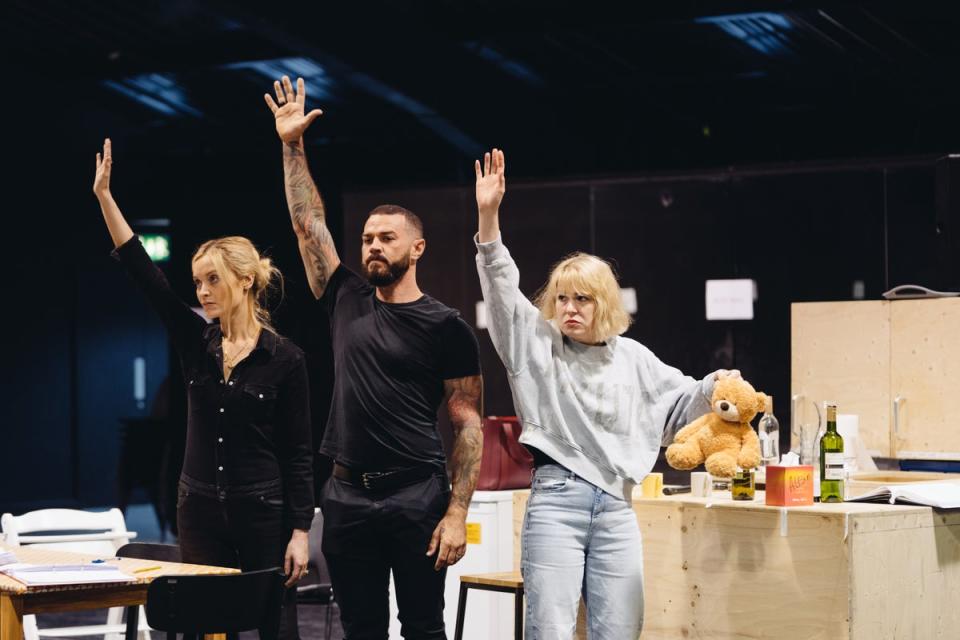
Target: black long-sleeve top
{"points": [[252, 430]]}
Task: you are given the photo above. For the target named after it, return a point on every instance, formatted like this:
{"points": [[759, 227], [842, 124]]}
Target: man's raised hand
{"points": [[288, 110]]}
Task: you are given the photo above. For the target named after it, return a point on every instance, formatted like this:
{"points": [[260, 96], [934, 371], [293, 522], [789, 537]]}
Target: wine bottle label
{"points": [[834, 473], [833, 466]]}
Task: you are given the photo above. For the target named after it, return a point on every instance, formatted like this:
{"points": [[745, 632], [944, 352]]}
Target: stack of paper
{"points": [[57, 574]]}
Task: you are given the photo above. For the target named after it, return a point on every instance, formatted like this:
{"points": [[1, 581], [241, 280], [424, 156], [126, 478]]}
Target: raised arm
{"points": [[491, 185], [449, 539], [120, 231], [307, 212], [512, 318], [185, 327]]}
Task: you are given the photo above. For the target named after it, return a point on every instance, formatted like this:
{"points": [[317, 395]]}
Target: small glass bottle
{"points": [[769, 431], [741, 488], [831, 459]]}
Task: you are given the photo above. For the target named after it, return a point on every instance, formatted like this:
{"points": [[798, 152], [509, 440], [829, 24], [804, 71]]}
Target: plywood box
{"points": [[715, 568]]}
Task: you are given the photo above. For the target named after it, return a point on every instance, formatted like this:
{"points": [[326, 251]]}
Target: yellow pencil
{"points": [[144, 569]]}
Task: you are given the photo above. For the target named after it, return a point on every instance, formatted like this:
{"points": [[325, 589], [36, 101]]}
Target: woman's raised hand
{"points": [[491, 182], [101, 180]]}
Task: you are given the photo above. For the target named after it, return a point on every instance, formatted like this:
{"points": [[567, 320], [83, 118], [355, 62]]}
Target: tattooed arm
{"points": [[449, 539], [317, 250], [307, 213]]}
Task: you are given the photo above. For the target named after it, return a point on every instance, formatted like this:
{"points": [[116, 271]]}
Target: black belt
{"points": [[374, 480]]}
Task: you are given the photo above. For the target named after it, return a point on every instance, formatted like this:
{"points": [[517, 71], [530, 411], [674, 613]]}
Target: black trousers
{"points": [[366, 534], [237, 529]]}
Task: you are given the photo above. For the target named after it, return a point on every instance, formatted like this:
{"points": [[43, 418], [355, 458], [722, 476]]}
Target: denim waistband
{"points": [[554, 471], [213, 491]]}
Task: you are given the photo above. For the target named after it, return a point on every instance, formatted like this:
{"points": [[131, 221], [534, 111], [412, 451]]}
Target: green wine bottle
{"points": [[831, 459]]}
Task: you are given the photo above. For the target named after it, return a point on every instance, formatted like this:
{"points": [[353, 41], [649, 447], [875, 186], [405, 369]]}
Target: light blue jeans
{"points": [[578, 539]]}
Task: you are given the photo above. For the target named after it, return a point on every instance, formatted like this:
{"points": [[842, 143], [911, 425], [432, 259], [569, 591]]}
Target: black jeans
{"points": [[368, 533], [238, 528]]}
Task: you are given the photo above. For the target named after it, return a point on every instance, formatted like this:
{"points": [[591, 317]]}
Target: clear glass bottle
{"points": [[831, 459], [769, 431]]}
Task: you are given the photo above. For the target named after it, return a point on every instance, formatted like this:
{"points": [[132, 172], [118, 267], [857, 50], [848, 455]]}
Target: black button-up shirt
{"points": [[251, 431]]}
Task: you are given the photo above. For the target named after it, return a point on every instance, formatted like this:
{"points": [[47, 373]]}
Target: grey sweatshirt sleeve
{"points": [[682, 399], [511, 317]]}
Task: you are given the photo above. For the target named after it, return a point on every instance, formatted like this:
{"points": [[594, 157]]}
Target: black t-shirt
{"points": [[390, 361]]}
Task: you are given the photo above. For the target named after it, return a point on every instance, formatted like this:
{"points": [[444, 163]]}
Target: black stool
{"points": [[506, 582]]}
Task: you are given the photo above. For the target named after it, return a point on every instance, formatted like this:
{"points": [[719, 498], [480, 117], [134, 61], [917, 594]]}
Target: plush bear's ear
{"points": [[761, 401]]}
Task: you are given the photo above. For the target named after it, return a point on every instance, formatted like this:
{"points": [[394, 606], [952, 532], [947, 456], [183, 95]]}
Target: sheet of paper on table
{"points": [[63, 574]]}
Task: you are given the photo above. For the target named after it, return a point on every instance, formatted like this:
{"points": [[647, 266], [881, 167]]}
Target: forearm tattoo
{"points": [[308, 216], [464, 406]]}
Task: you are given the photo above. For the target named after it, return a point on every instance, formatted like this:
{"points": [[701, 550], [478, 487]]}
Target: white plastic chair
{"points": [[100, 533]]}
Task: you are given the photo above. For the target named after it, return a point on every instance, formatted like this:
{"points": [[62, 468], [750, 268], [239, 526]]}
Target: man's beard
{"points": [[394, 272]]}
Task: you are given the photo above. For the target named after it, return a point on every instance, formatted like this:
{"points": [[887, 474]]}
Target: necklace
{"points": [[229, 361]]}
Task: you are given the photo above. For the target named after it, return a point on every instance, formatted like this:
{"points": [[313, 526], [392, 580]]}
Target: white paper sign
{"points": [[730, 299], [628, 295], [481, 315]]}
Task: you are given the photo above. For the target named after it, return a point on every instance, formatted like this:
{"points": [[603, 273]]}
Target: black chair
{"points": [[316, 587], [145, 551], [198, 605]]}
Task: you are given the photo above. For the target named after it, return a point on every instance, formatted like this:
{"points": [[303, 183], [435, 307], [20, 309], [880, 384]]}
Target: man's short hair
{"points": [[396, 210]]}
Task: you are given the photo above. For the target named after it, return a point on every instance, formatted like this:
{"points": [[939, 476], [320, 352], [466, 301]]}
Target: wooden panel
{"points": [[925, 369], [122, 595], [840, 351], [905, 580], [728, 573], [11, 617]]}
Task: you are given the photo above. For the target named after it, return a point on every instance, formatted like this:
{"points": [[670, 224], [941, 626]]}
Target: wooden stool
{"points": [[505, 582]]}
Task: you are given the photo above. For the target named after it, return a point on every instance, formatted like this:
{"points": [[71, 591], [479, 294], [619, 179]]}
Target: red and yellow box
{"points": [[789, 486]]}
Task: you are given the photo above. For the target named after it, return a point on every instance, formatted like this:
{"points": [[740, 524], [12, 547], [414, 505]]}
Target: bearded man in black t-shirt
{"points": [[398, 354]]}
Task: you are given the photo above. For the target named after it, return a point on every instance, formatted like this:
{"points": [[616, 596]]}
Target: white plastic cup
{"points": [[701, 484]]}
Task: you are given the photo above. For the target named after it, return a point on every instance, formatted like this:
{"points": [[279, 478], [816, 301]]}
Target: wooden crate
{"points": [[714, 568]]}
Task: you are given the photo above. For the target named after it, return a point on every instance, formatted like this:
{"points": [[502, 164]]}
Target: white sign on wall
{"points": [[730, 299]]}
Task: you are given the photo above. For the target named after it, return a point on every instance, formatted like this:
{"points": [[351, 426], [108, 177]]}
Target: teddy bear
{"points": [[722, 439]]}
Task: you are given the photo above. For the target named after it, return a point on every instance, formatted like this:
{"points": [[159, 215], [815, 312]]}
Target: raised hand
{"points": [[101, 180], [491, 182], [288, 110]]}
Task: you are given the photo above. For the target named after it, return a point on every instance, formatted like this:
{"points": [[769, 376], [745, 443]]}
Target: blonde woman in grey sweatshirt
{"points": [[595, 408]]}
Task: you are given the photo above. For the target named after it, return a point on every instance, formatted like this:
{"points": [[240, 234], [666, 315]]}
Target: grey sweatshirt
{"points": [[600, 411]]}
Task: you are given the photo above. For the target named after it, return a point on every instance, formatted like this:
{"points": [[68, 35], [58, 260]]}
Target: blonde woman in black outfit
{"points": [[246, 491]]}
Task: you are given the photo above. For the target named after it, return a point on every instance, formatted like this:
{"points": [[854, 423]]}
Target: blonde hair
{"points": [[592, 276], [235, 257]]}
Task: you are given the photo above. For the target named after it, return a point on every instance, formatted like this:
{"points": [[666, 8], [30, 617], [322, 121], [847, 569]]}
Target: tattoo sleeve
{"points": [[464, 405], [308, 216]]}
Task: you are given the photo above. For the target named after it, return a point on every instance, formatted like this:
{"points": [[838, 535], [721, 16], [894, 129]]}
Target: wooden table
{"points": [[17, 599], [715, 568]]}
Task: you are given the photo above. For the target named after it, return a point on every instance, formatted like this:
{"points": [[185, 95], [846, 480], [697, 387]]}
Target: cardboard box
{"points": [[789, 486]]}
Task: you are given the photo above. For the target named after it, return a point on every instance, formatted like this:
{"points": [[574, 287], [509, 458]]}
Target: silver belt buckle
{"points": [[366, 478]]}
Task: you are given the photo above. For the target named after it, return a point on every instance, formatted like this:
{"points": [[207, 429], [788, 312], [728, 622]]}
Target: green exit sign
{"points": [[157, 246]]}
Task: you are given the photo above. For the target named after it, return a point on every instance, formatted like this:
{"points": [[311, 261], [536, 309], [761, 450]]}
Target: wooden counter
{"points": [[715, 568]]}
